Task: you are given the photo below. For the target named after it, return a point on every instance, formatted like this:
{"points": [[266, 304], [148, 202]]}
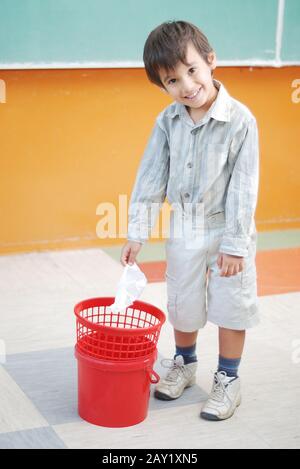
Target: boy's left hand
{"points": [[230, 265]]}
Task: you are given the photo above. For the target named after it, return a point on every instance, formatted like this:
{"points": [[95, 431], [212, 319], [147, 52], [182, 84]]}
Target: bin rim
{"points": [[108, 301], [114, 365]]}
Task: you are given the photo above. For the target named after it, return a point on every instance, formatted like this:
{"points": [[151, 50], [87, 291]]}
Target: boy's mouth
{"points": [[194, 95]]}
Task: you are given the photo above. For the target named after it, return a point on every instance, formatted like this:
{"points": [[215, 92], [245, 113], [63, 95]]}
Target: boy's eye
{"points": [[174, 79]]}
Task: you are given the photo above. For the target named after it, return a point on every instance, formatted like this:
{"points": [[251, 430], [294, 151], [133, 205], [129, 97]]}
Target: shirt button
{"points": [[186, 195], [189, 165]]}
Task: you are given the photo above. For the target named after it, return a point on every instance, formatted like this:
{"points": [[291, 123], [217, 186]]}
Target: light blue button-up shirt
{"points": [[214, 162]]}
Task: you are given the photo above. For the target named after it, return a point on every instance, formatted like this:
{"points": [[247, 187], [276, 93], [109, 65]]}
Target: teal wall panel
{"points": [[66, 33]]}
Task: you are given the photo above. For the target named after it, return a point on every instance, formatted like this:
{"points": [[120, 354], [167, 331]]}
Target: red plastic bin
{"points": [[124, 336], [114, 394]]}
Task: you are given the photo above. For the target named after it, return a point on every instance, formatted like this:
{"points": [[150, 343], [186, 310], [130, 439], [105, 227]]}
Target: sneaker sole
{"points": [[165, 397], [214, 418]]}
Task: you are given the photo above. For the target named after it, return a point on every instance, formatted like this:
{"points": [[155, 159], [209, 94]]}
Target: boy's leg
{"points": [[186, 277], [185, 339], [186, 346], [231, 345], [231, 342]]}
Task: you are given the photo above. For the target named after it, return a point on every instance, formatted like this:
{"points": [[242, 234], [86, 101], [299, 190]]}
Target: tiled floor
{"points": [[38, 370]]}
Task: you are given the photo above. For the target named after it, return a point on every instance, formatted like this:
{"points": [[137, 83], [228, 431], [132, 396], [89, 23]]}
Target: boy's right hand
{"points": [[129, 252]]}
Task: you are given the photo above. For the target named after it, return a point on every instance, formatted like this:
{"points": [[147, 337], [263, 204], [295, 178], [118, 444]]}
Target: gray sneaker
{"points": [[179, 377]]}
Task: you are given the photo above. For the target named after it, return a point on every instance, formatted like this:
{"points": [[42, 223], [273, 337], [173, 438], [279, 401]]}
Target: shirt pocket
{"points": [[218, 151], [214, 161]]}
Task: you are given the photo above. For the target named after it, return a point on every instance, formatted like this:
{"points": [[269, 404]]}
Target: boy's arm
{"points": [[149, 190], [242, 195]]}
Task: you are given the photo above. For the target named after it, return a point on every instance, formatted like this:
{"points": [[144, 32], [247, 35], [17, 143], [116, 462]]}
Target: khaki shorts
{"points": [[196, 291]]}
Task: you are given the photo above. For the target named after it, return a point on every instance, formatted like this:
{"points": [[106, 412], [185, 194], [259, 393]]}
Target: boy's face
{"points": [[191, 85]]}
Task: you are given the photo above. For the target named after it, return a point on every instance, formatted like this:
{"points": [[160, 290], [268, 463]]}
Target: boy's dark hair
{"points": [[166, 46]]}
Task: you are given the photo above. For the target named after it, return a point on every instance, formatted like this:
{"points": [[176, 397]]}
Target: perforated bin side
{"points": [[123, 336]]}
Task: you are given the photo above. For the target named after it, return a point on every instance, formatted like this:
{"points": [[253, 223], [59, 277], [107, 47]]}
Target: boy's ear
{"points": [[212, 58]]}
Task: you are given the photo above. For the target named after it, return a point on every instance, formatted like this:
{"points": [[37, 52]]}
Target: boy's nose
{"points": [[189, 89]]}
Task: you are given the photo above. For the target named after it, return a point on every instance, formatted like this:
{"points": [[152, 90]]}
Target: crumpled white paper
{"points": [[129, 288]]}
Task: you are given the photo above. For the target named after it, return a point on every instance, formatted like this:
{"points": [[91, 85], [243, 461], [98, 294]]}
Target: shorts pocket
{"points": [[172, 306], [169, 277], [248, 277]]}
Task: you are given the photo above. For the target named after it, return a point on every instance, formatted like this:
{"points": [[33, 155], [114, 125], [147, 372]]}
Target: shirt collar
{"points": [[219, 110]]}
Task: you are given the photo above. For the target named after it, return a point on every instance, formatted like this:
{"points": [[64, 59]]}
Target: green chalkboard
{"points": [[290, 49], [112, 33]]}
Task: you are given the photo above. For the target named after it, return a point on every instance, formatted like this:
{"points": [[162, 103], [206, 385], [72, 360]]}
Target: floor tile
{"points": [[17, 411], [36, 438], [176, 427], [49, 380]]}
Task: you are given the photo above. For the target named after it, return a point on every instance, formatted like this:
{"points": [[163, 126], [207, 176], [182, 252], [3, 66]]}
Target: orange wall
{"points": [[71, 139]]}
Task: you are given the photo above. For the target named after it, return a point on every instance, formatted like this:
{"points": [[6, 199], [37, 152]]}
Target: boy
{"points": [[203, 151]]}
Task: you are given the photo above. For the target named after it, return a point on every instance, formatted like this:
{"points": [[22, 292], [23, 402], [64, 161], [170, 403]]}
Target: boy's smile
{"points": [[192, 85]]}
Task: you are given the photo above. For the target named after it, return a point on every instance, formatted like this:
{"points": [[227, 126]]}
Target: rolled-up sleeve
{"points": [[149, 190], [242, 195]]}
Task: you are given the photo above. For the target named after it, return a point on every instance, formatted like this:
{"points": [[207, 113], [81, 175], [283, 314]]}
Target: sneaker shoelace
{"points": [[219, 388], [176, 367]]}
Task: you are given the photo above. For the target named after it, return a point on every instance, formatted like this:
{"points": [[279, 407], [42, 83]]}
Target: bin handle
{"points": [[153, 376]]}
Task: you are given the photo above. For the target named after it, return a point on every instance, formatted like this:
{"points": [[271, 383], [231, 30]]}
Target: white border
{"points": [[279, 28]]}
